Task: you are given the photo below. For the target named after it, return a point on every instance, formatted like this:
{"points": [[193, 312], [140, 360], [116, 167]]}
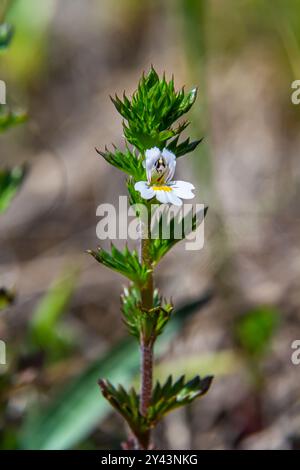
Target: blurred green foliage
{"points": [[10, 179], [255, 330], [6, 35], [45, 339], [46, 331], [28, 51], [10, 118], [10, 182], [6, 298]]}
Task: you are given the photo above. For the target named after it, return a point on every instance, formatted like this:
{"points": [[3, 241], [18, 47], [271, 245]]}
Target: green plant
{"points": [[150, 125]]}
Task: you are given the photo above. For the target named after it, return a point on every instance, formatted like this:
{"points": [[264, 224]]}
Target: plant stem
{"points": [[146, 343], [146, 376]]}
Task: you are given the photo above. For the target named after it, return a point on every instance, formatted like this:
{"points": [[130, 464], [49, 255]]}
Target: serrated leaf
{"points": [[139, 320], [126, 403], [127, 162], [163, 242], [124, 262], [164, 399], [170, 396], [184, 147]]}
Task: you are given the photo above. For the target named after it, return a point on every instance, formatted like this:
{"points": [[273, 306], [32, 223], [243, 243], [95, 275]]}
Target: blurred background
{"points": [[237, 299]]}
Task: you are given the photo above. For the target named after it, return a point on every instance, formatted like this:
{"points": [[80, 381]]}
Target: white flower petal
{"points": [[161, 196], [169, 196], [183, 189], [168, 156], [140, 185], [171, 162], [154, 152], [173, 199], [151, 155], [143, 188], [184, 195], [183, 184], [171, 168]]}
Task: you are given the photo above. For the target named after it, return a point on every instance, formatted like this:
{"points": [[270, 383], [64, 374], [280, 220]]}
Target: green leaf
{"points": [[139, 320], [6, 35], [127, 162], [45, 331], [127, 404], [165, 398], [124, 262], [184, 147], [6, 298], [10, 182], [131, 300], [9, 118], [78, 409], [170, 396], [175, 230], [255, 330]]}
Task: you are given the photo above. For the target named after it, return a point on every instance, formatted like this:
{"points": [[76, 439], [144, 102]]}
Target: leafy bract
{"points": [[125, 161], [167, 233], [153, 109], [124, 262]]}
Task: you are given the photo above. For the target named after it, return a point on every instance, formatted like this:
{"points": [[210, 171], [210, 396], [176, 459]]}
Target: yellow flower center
{"points": [[162, 188]]}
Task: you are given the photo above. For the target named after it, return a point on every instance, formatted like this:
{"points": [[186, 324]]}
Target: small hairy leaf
{"points": [[170, 396], [176, 229], [125, 262], [184, 147], [127, 162], [139, 320], [165, 398]]}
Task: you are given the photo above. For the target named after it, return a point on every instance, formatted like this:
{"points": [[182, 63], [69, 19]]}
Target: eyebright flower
{"points": [[160, 168]]}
